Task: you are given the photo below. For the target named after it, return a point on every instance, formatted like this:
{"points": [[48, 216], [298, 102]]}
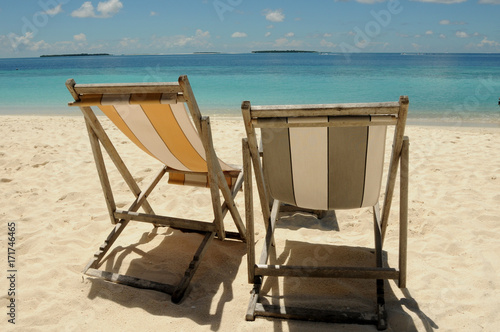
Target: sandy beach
{"points": [[51, 194]]}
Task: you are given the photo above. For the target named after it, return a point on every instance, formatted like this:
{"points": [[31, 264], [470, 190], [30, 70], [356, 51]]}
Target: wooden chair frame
{"points": [[121, 218], [392, 113]]}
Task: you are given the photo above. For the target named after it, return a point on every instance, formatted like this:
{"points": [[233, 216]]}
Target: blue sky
{"points": [[35, 27]]}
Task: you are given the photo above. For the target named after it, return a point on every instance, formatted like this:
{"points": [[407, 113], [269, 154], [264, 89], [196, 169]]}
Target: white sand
{"points": [[50, 190]]}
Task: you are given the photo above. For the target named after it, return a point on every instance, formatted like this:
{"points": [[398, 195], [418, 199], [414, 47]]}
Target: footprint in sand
{"points": [[5, 180], [40, 164]]}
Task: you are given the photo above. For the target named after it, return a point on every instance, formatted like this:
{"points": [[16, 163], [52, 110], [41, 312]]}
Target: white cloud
{"points": [[448, 22], [106, 9], [267, 34], [239, 35], [54, 11], [17, 40], [281, 42], [25, 42], [153, 14], [486, 42], [86, 10], [290, 34], [326, 43], [126, 42], [362, 1], [202, 34], [80, 37], [39, 45], [274, 15], [369, 1], [429, 32], [327, 35], [447, 2], [284, 42], [442, 36], [200, 39], [461, 34], [109, 8]]}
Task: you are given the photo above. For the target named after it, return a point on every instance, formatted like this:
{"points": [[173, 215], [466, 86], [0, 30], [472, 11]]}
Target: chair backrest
{"points": [[326, 157], [155, 118]]}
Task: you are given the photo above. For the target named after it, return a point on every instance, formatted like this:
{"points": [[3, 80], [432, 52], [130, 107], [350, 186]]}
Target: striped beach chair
{"points": [[154, 117], [320, 158]]}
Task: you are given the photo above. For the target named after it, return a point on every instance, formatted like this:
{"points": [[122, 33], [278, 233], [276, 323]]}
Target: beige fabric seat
{"points": [[320, 158], [154, 117], [326, 168]]}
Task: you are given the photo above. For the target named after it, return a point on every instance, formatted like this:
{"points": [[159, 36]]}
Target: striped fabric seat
{"points": [[324, 168], [160, 125]]}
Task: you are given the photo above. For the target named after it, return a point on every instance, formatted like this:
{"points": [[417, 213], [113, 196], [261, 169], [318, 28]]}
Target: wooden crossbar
{"points": [[326, 272], [382, 120], [177, 98], [327, 316], [119, 88], [324, 109], [187, 224], [131, 281]]}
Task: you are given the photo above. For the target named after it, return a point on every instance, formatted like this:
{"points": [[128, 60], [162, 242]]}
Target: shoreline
{"points": [[478, 122]]}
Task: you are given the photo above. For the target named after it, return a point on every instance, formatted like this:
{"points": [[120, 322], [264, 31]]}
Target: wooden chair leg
{"points": [[381, 312], [240, 226], [103, 249], [248, 191], [213, 180], [403, 212], [101, 171], [181, 288], [254, 299]]}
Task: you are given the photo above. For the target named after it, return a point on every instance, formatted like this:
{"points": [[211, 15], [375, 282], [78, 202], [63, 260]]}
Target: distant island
{"points": [[287, 51], [207, 53], [79, 54]]}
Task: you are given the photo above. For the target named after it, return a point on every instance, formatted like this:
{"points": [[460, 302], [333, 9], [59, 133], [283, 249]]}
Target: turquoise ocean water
{"points": [[442, 87]]}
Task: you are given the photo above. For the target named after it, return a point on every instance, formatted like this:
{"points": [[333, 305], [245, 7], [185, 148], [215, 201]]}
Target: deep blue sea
{"points": [[441, 87]]}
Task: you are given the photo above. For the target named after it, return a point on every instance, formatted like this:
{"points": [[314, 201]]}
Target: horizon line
{"points": [[254, 52]]}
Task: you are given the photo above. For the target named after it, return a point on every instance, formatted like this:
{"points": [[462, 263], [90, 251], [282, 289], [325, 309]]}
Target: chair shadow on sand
{"points": [[166, 263], [219, 269], [333, 294]]}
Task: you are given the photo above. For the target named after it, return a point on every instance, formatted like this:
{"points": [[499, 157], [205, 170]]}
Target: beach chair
{"points": [[324, 157], [154, 117]]}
